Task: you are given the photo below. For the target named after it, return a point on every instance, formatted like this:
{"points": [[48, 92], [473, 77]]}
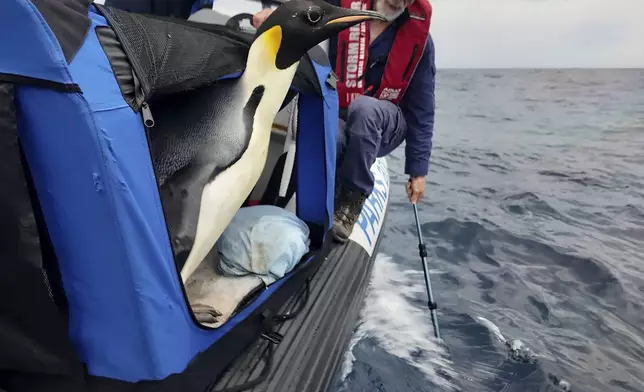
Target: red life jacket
{"points": [[406, 51]]}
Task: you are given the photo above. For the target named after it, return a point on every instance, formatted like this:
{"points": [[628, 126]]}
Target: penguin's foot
{"points": [[205, 313]]}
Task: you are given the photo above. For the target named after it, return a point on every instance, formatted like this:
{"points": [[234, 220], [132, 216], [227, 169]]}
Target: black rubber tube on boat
{"points": [[428, 284]]}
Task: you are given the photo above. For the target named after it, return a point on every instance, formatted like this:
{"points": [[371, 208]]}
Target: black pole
{"points": [[423, 256]]}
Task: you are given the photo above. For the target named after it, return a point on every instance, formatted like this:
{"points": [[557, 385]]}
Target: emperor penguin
{"points": [[207, 171]]}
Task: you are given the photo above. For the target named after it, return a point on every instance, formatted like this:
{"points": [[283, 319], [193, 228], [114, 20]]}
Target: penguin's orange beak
{"points": [[345, 17]]}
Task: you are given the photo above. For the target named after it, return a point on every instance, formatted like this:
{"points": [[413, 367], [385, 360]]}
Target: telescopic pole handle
{"points": [[422, 251]]}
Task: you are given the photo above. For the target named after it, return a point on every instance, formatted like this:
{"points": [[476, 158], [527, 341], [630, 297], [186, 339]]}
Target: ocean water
{"points": [[534, 222]]}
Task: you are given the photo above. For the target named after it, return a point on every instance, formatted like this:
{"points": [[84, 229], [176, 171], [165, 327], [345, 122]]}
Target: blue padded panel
{"points": [[317, 152], [331, 115]]}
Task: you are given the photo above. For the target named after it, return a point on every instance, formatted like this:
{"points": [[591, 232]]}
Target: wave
{"points": [[391, 321], [495, 246], [580, 178]]}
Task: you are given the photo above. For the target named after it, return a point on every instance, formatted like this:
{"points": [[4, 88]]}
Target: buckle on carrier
{"points": [[332, 80], [268, 324]]}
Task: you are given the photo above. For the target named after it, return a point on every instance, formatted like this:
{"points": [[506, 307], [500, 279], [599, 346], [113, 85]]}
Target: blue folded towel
{"points": [[264, 240]]}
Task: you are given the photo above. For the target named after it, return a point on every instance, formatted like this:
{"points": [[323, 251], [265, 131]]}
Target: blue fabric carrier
{"points": [[91, 167]]}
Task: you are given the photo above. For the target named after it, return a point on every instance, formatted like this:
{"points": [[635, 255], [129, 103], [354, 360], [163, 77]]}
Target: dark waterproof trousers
{"points": [[374, 128]]}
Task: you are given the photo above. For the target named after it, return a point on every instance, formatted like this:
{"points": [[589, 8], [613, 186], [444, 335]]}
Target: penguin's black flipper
{"points": [[181, 200]]}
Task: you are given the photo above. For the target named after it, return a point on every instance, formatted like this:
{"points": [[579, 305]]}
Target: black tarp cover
{"points": [[35, 354]]}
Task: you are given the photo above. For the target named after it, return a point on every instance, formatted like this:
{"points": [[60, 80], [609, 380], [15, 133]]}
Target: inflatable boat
{"points": [[91, 297]]}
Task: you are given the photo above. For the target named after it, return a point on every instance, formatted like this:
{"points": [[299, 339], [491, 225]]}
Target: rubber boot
{"points": [[348, 205]]}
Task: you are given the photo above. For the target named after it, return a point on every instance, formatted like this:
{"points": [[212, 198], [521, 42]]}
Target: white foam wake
{"points": [[398, 326]]}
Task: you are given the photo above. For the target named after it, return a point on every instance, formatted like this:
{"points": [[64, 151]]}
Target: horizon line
{"points": [[547, 68]]}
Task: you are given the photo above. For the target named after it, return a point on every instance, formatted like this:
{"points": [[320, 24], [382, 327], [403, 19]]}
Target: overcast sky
{"points": [[529, 33], [538, 33]]}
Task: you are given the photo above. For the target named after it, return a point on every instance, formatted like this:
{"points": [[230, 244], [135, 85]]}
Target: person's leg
{"points": [[374, 128], [341, 145], [341, 142]]}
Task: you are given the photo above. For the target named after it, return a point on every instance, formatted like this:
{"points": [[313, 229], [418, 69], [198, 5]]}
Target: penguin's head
{"points": [[298, 25]]}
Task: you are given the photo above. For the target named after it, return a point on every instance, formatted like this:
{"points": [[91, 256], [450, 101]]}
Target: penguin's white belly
{"points": [[222, 198]]}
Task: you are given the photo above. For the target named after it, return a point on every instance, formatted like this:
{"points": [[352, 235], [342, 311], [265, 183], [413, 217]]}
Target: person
{"points": [[385, 100]]}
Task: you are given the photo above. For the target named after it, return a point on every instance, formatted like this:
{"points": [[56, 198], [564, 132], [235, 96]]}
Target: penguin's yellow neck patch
{"points": [[271, 40]]}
